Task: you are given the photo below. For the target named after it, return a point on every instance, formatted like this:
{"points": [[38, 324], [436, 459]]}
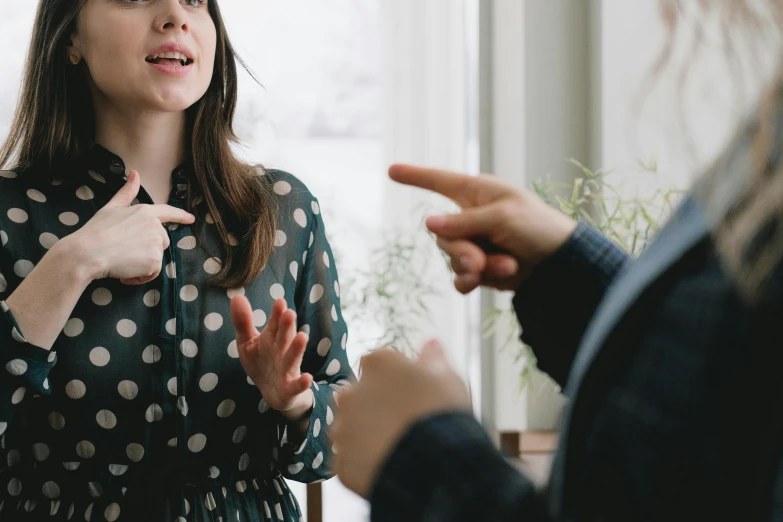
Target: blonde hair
{"points": [[741, 194]]}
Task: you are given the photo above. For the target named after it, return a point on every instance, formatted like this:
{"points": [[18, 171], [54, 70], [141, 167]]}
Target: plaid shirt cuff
{"points": [[586, 248], [555, 304]]}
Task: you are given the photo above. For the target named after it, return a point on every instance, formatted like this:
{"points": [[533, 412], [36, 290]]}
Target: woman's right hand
{"points": [[501, 234], [127, 242]]}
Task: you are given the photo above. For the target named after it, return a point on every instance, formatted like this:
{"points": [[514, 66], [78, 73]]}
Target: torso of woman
{"points": [[142, 410]]}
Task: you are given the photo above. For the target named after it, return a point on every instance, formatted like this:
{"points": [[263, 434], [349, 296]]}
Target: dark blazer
{"points": [[675, 403]]}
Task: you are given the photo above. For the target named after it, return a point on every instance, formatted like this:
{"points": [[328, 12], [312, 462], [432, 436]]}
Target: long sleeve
{"points": [[318, 311], [26, 367], [555, 304], [446, 469]]}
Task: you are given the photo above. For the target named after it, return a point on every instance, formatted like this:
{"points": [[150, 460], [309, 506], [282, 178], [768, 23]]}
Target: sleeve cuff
{"points": [[554, 305], [16, 332], [433, 454], [298, 461], [586, 248], [24, 360]]}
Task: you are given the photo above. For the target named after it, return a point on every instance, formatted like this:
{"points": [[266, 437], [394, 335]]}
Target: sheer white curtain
{"points": [[352, 86], [428, 122]]}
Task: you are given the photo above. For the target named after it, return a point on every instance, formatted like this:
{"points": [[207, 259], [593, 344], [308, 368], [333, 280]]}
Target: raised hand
{"points": [[273, 357]]}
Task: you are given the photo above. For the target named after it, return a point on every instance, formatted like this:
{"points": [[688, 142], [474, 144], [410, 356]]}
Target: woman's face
{"points": [[147, 54]]}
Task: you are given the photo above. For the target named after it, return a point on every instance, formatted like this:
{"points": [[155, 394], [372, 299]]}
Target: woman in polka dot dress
{"points": [[171, 336]]}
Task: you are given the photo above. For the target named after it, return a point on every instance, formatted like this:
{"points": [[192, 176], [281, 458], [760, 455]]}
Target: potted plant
{"points": [[611, 203], [394, 293]]}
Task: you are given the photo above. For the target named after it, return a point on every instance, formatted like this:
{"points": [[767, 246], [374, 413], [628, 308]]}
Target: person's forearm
{"points": [[555, 305], [45, 299]]}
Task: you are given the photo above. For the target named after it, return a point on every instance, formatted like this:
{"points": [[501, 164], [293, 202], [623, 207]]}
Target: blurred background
{"points": [[540, 92]]}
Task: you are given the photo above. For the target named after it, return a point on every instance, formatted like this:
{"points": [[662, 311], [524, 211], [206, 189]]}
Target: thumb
{"points": [[125, 196], [242, 317], [432, 354]]}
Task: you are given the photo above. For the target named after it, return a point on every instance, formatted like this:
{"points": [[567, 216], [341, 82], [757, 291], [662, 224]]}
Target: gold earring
{"points": [[74, 58]]}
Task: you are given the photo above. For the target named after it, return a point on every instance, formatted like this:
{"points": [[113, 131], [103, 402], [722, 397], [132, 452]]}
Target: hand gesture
{"points": [[501, 234], [127, 242], [273, 357]]}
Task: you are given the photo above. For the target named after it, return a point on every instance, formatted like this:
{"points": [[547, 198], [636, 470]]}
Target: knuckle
{"points": [[446, 245], [508, 209]]}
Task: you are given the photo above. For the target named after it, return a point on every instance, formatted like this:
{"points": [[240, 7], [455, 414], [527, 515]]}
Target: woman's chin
{"points": [[173, 101]]}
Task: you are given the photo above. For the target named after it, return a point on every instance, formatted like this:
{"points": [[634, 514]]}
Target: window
{"points": [[347, 87]]}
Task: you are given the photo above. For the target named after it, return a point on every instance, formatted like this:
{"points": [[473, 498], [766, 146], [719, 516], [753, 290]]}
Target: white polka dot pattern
{"points": [[155, 367]]}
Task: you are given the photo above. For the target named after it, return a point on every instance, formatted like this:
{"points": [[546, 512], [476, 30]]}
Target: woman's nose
{"points": [[172, 16]]}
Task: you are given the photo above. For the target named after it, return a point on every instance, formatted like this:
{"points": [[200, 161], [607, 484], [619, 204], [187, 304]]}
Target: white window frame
{"points": [[540, 94]]}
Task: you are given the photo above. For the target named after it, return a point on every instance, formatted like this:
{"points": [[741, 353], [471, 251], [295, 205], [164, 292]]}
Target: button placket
{"points": [[176, 232]]}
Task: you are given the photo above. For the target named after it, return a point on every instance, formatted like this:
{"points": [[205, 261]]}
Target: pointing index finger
{"points": [[169, 214], [453, 185]]}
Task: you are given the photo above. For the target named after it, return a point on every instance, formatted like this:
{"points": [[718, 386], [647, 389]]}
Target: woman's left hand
{"points": [[273, 357]]}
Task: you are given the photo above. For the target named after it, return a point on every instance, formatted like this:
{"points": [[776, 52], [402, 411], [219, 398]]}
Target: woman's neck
{"points": [[151, 143]]}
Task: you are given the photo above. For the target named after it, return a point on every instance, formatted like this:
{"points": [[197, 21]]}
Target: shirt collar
{"points": [[101, 161]]}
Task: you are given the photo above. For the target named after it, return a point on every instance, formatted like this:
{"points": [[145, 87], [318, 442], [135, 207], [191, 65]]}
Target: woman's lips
{"points": [[171, 69]]}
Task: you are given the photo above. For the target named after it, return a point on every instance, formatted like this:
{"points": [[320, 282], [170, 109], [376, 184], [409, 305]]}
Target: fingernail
{"points": [[466, 263], [509, 269], [436, 221], [469, 280], [432, 343]]}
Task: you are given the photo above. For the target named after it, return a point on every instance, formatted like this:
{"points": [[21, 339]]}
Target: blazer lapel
{"points": [[685, 229]]}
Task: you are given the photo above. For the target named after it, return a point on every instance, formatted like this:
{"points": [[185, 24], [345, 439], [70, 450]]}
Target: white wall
{"points": [[539, 109], [426, 123], [566, 81], [632, 38]]}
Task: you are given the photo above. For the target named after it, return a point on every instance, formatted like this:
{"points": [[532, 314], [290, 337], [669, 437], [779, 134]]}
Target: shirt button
{"points": [[116, 167]]}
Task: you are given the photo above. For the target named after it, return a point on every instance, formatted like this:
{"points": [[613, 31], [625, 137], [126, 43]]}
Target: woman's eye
{"points": [[189, 3]]}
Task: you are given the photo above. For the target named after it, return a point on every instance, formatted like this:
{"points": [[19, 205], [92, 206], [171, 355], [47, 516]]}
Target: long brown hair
{"points": [[54, 125]]}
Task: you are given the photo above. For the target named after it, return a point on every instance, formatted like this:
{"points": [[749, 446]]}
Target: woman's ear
{"points": [[73, 54], [74, 42]]}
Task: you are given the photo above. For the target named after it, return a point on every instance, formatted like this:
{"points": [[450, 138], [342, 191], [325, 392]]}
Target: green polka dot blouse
{"points": [[141, 410]]}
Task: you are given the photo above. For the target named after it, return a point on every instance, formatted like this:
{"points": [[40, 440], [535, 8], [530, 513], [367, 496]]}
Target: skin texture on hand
{"points": [[392, 395], [127, 242], [273, 358], [500, 235], [120, 241]]}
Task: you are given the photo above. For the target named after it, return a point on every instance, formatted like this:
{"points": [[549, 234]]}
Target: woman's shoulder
{"points": [[291, 189], [284, 182], [12, 176], [17, 181], [24, 178]]}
